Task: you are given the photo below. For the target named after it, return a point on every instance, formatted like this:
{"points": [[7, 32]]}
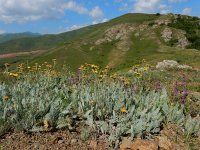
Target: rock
{"points": [[73, 141], [100, 41], [60, 141], [117, 32], [165, 144], [126, 143], [57, 139], [167, 64], [167, 34], [171, 64], [184, 67], [140, 144], [142, 27], [93, 144], [183, 42], [163, 21]]}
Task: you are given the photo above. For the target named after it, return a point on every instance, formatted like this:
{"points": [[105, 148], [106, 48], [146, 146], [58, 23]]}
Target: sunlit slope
{"points": [[119, 43]]}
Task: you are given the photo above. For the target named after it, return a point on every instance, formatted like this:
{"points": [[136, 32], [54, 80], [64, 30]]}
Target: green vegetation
{"points": [[12, 36], [192, 28], [43, 99], [68, 47]]}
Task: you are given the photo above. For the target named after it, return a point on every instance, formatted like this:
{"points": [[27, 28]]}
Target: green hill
{"points": [[12, 36], [120, 43]]}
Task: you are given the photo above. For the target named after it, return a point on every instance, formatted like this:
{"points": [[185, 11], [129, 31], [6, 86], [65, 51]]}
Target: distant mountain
{"points": [[119, 43], [11, 36]]}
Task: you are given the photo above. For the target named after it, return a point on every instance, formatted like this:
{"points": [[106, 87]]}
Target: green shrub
{"points": [[191, 26]]}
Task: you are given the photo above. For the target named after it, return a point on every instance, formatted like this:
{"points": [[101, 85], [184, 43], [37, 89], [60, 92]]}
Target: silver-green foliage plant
{"points": [[107, 106], [30, 103]]}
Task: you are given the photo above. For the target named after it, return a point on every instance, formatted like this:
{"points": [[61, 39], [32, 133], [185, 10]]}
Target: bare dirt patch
{"points": [[60, 140], [18, 54]]}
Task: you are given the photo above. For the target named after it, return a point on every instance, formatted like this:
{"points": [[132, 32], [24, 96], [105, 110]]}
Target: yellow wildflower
{"points": [[46, 124], [7, 64], [127, 82], [14, 74], [94, 71], [107, 67], [146, 68], [5, 98], [114, 76], [137, 74], [82, 67], [94, 66], [123, 110], [100, 76]]}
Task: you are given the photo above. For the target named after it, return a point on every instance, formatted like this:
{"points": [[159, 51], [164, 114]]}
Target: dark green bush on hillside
{"points": [[157, 14], [191, 26]]}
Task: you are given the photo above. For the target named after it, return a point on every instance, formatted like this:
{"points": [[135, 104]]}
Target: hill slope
{"points": [[12, 36], [120, 43]]}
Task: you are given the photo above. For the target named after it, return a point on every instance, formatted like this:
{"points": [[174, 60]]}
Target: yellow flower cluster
{"points": [[23, 68], [126, 81], [140, 69], [114, 76], [88, 70]]}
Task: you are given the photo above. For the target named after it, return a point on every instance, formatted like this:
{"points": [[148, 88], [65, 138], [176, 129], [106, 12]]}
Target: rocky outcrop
{"points": [[166, 64], [182, 41], [162, 21], [167, 34], [171, 64], [117, 32]]}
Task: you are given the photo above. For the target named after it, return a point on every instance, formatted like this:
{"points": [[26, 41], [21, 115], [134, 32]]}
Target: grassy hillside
{"points": [[126, 41], [11, 36]]}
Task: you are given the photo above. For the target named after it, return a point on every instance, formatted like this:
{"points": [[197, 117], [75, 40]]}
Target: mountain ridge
{"points": [[12, 36], [120, 42]]}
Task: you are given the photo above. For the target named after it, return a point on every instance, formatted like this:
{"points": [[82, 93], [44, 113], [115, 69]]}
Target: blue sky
{"points": [[56, 16]]}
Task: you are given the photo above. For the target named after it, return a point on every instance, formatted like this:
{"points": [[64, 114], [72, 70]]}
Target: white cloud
{"points": [[31, 10], [2, 31], [96, 12], [75, 27], [26, 10], [73, 6], [104, 20], [100, 21], [187, 11], [147, 6]]}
